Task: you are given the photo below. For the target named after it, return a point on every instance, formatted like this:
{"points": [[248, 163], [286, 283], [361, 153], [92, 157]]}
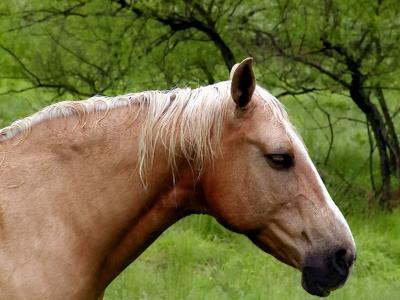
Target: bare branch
{"points": [[331, 134], [22, 65]]}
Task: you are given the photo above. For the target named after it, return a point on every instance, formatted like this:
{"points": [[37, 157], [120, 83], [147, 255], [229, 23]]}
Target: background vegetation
{"points": [[334, 64]]}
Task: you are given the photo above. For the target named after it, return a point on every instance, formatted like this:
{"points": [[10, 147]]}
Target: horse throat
{"points": [[180, 200]]}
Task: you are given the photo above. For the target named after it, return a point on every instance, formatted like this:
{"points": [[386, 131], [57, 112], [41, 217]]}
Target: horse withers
{"points": [[86, 186]]}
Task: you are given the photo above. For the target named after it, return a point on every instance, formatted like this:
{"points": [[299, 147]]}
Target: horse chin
{"points": [[315, 289]]}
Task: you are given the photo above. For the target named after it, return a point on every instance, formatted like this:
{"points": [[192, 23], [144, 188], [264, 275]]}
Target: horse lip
{"points": [[316, 290], [324, 292]]}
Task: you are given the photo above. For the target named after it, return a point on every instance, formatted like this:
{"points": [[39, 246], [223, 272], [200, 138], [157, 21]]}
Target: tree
{"points": [[343, 48], [84, 47], [353, 49]]}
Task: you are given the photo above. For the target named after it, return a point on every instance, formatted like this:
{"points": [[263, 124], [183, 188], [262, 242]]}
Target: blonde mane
{"points": [[188, 120]]}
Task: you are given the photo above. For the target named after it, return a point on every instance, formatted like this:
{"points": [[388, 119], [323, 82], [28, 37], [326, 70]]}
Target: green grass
{"points": [[197, 259]]}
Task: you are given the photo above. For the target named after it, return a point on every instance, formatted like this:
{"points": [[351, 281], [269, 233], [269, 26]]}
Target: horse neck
{"points": [[170, 194], [97, 194]]}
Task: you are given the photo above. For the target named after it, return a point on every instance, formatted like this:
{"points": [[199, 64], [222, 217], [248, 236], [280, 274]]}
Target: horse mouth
{"points": [[318, 286], [316, 289]]}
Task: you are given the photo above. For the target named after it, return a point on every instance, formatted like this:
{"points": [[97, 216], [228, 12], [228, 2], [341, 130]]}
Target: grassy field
{"points": [[197, 259]]}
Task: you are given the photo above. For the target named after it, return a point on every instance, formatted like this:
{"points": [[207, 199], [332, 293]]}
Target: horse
{"points": [[87, 186]]}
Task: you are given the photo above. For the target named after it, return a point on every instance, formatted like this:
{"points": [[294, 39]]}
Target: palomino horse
{"points": [[86, 186]]}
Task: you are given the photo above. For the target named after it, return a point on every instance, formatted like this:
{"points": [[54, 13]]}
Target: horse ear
{"points": [[243, 82]]}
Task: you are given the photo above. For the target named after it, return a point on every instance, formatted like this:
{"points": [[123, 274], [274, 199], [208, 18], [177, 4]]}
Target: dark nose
{"points": [[327, 270], [342, 260]]}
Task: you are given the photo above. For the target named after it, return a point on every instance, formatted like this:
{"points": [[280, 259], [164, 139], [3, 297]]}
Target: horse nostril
{"points": [[342, 261]]}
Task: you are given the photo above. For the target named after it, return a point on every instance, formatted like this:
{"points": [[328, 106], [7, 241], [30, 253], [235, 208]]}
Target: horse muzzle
{"points": [[323, 273]]}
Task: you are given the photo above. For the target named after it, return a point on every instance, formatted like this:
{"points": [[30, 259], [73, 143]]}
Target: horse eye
{"points": [[279, 161]]}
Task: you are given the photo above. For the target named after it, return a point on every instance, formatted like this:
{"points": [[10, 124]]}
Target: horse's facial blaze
{"points": [[265, 186]]}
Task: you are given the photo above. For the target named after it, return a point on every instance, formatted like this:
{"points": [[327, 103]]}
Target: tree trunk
{"points": [[380, 132], [375, 120], [392, 137]]}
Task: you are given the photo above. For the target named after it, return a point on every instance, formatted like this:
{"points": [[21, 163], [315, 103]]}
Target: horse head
{"points": [[265, 186]]}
